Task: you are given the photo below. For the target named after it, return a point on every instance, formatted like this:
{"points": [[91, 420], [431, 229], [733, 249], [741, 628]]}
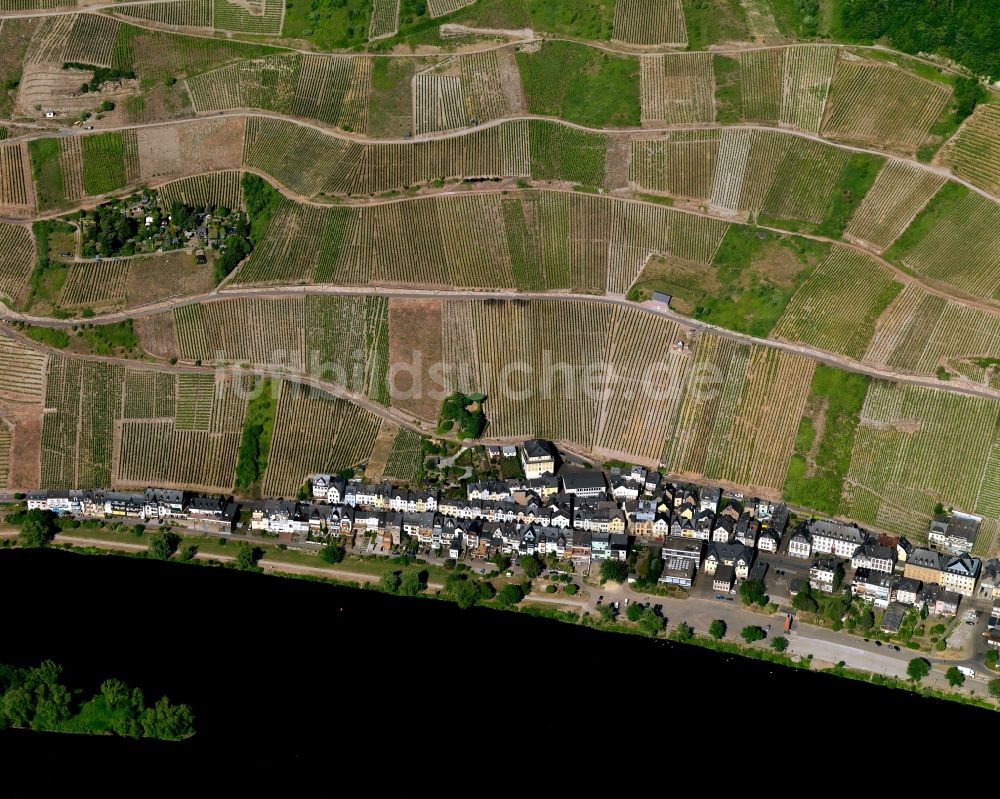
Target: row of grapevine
{"points": [[787, 86], [268, 83], [334, 89], [438, 102], [898, 194], [974, 153], [14, 188], [385, 19], [679, 164], [71, 163], [922, 331], [438, 8], [940, 250], [818, 314], [650, 22], [677, 88], [48, 45], [249, 16], [405, 457], [5, 439], [149, 394], [315, 432], [213, 190], [17, 259], [916, 447], [179, 13], [95, 284], [875, 102], [195, 400], [760, 20], [92, 40]]}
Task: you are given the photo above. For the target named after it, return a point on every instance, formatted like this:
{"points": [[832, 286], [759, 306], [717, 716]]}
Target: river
{"points": [[290, 667]]}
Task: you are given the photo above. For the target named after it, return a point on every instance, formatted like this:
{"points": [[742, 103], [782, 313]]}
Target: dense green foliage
{"points": [[49, 336], [37, 528], [614, 570], [258, 427], [330, 24], [581, 84], [50, 182], [747, 295], [463, 414], [853, 185], [817, 469], [918, 668], [467, 591], [717, 629], [261, 200], [100, 75], [247, 557], [712, 21], [779, 644], [333, 553], [940, 206], [559, 152], [752, 593], [954, 677], [967, 31], [162, 545], [103, 162], [35, 698], [110, 231], [752, 632], [111, 339]]}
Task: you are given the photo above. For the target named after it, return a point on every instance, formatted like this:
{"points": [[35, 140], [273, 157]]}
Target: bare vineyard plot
{"points": [[249, 16], [34, 5], [268, 83], [438, 102], [922, 331], [92, 285], [679, 164], [818, 315], [916, 447], [193, 148], [935, 245], [880, 104], [974, 153], [177, 13], [17, 259], [898, 194], [760, 20], [650, 22], [385, 19], [677, 88], [315, 433], [215, 190], [48, 45], [5, 440], [22, 372]]}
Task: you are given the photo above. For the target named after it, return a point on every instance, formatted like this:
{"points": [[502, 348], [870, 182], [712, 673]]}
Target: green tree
{"points": [[634, 612], [247, 556], [167, 721], [752, 593], [37, 529], [531, 566], [923, 611], [954, 677], [650, 623], [717, 629], [751, 633], [867, 619], [333, 552], [994, 688], [683, 632], [804, 601], [838, 577], [116, 693], [606, 612], [614, 571], [779, 644], [19, 706], [163, 545], [510, 595], [571, 589], [918, 668], [992, 657], [409, 584], [389, 582]]}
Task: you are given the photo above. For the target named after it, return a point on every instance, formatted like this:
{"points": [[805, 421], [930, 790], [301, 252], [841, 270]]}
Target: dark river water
{"points": [[289, 669]]}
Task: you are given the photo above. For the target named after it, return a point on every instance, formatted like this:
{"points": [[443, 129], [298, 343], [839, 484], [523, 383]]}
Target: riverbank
{"points": [[367, 574]]}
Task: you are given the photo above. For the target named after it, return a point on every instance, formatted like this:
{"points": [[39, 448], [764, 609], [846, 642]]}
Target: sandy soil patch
{"points": [[415, 346], [25, 447], [160, 277], [190, 148], [380, 452], [49, 87], [158, 335]]}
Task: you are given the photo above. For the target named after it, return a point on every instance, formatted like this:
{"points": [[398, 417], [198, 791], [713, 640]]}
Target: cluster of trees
{"points": [[35, 698], [646, 618], [99, 75], [409, 583], [38, 528], [333, 553], [614, 571], [247, 557], [258, 426], [162, 546], [752, 593], [967, 32], [464, 413], [466, 591], [111, 231]]}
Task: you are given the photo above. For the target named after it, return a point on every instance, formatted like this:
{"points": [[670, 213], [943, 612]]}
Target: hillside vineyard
{"points": [[740, 252]]}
